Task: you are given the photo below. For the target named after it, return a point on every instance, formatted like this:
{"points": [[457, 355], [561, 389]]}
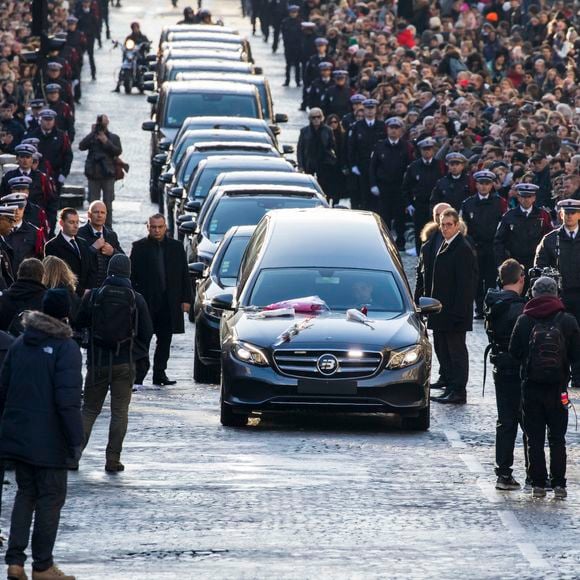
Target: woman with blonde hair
{"points": [[57, 274]]}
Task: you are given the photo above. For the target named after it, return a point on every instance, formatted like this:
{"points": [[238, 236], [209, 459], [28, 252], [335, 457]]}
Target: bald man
{"points": [[103, 241]]}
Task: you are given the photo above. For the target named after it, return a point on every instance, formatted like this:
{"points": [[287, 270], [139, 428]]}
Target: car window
{"points": [[341, 289], [229, 265], [182, 105], [248, 211]]}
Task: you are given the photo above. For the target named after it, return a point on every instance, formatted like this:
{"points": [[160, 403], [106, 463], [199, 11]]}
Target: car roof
{"points": [[228, 161], [178, 35], [217, 122], [239, 231], [219, 87], [263, 189], [201, 44], [219, 75], [356, 239], [209, 63], [188, 53], [263, 177], [214, 145], [232, 134], [209, 28]]}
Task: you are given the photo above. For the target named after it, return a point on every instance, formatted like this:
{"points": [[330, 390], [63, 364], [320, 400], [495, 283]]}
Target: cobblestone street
{"points": [[315, 497]]}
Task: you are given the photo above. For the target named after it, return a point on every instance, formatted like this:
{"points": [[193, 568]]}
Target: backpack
{"points": [[547, 360], [114, 317]]}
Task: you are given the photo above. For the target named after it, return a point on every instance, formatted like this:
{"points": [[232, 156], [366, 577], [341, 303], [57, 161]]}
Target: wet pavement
{"points": [[313, 497]]}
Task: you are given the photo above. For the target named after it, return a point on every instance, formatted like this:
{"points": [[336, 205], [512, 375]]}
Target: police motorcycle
{"points": [[134, 65]]}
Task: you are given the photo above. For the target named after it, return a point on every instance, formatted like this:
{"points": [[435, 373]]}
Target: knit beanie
{"points": [[119, 265]]}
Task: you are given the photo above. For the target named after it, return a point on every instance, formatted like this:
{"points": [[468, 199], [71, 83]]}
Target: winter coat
{"points": [[546, 308], [313, 152], [557, 250], [177, 281], [22, 295], [482, 216], [454, 280], [100, 160], [41, 403]]}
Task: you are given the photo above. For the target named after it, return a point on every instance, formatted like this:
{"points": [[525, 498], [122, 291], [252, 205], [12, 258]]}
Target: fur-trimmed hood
{"points": [[430, 228], [37, 323]]}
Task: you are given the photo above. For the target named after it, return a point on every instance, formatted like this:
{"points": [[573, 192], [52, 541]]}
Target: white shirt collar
{"points": [[16, 227], [393, 142], [67, 238], [448, 242], [526, 211], [95, 231], [483, 197], [569, 232]]}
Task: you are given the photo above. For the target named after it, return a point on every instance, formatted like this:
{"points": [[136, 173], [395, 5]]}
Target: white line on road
{"points": [[489, 491], [511, 522], [532, 555], [454, 439], [472, 463]]}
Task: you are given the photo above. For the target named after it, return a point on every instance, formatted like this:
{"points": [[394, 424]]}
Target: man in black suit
{"points": [[454, 279], [102, 240], [159, 272], [73, 250]]}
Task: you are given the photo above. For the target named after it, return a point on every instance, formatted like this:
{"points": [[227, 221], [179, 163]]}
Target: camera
{"points": [[549, 272], [99, 125]]}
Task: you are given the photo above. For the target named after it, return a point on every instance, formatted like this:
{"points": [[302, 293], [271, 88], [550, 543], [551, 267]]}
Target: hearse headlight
{"points": [[405, 357], [250, 354]]}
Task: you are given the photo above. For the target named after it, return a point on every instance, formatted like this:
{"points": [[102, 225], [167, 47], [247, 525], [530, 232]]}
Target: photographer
{"points": [[560, 249], [501, 310], [103, 147]]}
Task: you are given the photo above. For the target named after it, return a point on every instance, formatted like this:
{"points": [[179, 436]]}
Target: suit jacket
{"points": [[454, 281], [102, 261], [177, 281], [84, 266]]}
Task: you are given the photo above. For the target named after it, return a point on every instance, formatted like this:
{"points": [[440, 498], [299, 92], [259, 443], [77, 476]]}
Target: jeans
{"points": [[508, 396], [543, 409], [107, 186], [120, 380], [42, 492]]}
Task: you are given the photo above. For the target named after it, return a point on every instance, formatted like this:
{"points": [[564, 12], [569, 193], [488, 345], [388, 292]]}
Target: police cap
{"points": [[7, 211], [569, 205], [320, 41], [53, 88], [15, 199], [54, 65], [395, 122], [357, 99], [527, 189], [20, 182], [48, 114], [325, 66], [25, 150], [425, 143], [454, 156], [370, 103], [484, 176]]}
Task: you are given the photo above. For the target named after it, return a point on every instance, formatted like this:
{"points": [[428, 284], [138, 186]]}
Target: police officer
{"points": [[277, 9], [336, 99], [25, 239], [454, 187], [482, 213], [65, 120], [55, 146], [356, 104], [560, 249], [389, 162], [33, 213], [6, 223], [522, 228], [319, 86], [310, 63], [502, 308], [362, 139], [418, 183], [54, 76], [32, 118], [292, 36]]}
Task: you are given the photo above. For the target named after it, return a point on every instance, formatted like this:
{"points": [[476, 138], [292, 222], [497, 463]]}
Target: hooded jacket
{"points": [[22, 295], [41, 402], [545, 308]]}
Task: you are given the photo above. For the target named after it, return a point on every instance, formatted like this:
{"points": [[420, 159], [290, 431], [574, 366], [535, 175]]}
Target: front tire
{"points": [[227, 416], [420, 423]]}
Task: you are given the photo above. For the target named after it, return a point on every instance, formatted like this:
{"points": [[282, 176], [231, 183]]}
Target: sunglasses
{"points": [[316, 117], [333, 122]]}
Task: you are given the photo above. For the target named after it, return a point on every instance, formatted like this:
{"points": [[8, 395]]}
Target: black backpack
{"points": [[547, 359], [114, 317]]}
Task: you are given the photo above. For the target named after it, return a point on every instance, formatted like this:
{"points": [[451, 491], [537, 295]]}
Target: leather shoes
{"points": [[438, 385], [163, 381], [451, 398]]}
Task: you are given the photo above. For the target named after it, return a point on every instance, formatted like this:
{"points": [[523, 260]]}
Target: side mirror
{"points": [[287, 149], [192, 206], [187, 228], [166, 177], [164, 145], [275, 129], [148, 76], [148, 85], [176, 192], [429, 305], [184, 217], [152, 99], [160, 159], [196, 269], [148, 125], [151, 58], [223, 301], [280, 118]]}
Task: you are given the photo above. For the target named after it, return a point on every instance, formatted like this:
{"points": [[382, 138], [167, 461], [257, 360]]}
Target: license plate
{"points": [[306, 387]]}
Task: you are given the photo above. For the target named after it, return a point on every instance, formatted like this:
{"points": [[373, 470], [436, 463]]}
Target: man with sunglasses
{"points": [[560, 249]]}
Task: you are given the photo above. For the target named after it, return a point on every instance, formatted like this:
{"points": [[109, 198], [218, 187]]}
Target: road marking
{"points": [[472, 463], [454, 439], [489, 491], [532, 555], [511, 522]]}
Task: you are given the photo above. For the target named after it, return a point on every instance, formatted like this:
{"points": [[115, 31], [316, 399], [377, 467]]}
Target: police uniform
{"points": [[362, 139], [450, 189], [418, 183], [310, 64], [349, 119], [482, 216], [560, 250], [277, 9], [520, 231], [318, 88], [65, 120], [336, 99], [389, 162], [292, 36], [6, 271], [32, 118]]}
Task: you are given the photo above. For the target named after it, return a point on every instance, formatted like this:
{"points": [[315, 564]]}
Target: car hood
{"points": [[169, 133], [332, 330]]}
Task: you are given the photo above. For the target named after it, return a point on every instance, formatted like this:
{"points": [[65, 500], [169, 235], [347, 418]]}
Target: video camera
{"points": [[549, 272]]}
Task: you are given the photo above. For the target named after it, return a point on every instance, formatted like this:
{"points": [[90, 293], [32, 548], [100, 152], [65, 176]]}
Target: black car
{"points": [[221, 276], [337, 360], [240, 205], [268, 178]]}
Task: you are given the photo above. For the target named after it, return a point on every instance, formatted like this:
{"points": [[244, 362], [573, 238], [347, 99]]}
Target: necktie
{"points": [[572, 235], [443, 247], [73, 243], [98, 235]]}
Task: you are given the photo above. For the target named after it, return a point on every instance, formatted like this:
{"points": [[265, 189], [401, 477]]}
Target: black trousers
{"points": [[487, 276], [508, 397], [91, 54], [364, 199], [276, 28], [392, 210], [163, 333], [42, 493], [293, 61], [453, 358], [571, 299], [142, 366], [421, 216], [543, 409]]}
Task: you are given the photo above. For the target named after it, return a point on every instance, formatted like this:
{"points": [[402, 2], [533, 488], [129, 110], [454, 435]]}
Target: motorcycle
{"points": [[134, 65]]}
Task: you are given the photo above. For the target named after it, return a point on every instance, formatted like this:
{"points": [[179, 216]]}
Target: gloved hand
{"points": [[355, 170], [375, 190], [61, 178], [410, 210]]}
